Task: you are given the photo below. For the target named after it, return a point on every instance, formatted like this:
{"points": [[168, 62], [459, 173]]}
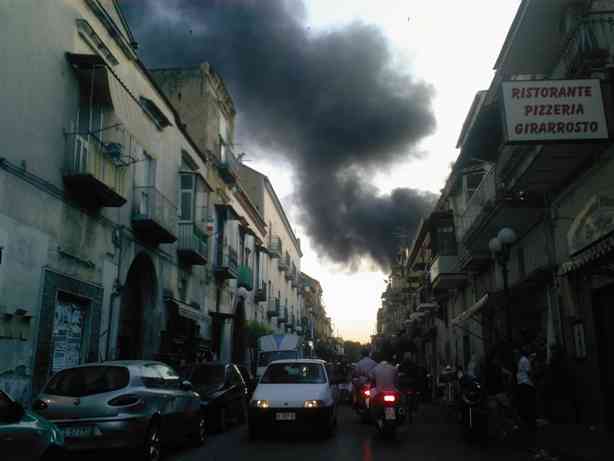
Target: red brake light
{"points": [[39, 405], [125, 400], [390, 398], [367, 392]]}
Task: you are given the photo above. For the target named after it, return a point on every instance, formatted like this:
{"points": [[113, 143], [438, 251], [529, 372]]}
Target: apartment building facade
{"points": [[124, 233], [98, 261], [528, 200]]}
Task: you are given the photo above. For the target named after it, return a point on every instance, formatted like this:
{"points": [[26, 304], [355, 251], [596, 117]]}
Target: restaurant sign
{"points": [[553, 110]]}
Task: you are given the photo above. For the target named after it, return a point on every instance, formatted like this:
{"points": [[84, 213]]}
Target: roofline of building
{"points": [[511, 33], [122, 18], [243, 197], [210, 70], [280, 209]]}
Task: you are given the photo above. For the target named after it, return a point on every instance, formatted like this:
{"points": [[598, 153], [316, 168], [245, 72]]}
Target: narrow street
{"points": [[429, 438]]}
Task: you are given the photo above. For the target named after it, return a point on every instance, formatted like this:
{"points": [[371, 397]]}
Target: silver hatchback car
{"points": [[122, 404]]}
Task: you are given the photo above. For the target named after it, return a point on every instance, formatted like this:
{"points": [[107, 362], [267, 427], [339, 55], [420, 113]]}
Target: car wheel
{"points": [[200, 431], [152, 447]]}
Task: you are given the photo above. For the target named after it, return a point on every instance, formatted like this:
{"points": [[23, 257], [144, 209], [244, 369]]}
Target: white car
{"points": [[293, 394]]}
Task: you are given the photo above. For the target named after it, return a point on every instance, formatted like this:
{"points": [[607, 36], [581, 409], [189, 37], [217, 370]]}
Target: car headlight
{"points": [[260, 403], [313, 403]]}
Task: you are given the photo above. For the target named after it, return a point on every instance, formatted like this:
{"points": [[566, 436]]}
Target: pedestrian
{"points": [[525, 395]]}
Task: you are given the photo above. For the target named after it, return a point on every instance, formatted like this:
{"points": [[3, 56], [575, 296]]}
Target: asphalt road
{"points": [[432, 436]]}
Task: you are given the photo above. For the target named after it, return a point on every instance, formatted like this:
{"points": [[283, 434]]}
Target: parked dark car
{"points": [[123, 404], [26, 436], [249, 378], [223, 393]]}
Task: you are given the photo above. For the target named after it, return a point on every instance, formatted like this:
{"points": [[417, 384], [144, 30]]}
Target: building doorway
{"points": [[603, 301], [239, 343], [137, 305]]}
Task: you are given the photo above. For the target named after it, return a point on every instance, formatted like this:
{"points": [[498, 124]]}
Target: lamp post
{"points": [[500, 249]]}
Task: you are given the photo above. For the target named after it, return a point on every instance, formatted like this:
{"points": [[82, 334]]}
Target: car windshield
{"points": [[84, 381], [268, 357], [209, 375], [294, 373]]}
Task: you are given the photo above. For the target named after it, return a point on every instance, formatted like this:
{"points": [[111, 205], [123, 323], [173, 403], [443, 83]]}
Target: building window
{"points": [[187, 192]]}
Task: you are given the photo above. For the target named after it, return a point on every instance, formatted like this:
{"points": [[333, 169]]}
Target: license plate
{"points": [[78, 432], [390, 414], [285, 416]]}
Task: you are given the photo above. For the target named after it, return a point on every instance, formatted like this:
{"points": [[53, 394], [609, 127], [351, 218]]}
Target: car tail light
{"points": [[39, 405], [390, 398], [367, 392], [125, 400]]}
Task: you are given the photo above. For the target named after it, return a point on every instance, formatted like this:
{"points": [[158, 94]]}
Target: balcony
{"points": [[482, 199], [275, 247], [226, 266], [588, 46], [289, 274], [283, 265], [192, 246], [446, 274], [246, 278], [228, 165], [295, 280], [273, 308], [260, 295], [93, 173], [154, 217]]}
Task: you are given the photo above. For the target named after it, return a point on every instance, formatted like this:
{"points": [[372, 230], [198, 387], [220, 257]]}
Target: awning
{"points": [[473, 310], [186, 310], [93, 76], [132, 116], [427, 307], [415, 316], [591, 254], [221, 316]]}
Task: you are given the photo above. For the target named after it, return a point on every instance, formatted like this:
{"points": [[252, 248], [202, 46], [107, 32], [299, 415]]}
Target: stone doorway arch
{"points": [[138, 302]]}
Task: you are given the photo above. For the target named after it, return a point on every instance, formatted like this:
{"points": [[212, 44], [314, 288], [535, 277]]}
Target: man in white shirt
{"points": [[361, 373], [526, 394]]}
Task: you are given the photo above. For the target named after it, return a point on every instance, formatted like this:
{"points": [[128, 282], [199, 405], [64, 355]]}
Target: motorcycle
{"points": [[388, 410], [361, 406], [409, 389]]}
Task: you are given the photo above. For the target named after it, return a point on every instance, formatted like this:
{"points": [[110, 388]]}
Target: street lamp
{"points": [[500, 249]]}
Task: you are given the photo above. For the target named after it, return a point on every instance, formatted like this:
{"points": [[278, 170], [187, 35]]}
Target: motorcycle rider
{"points": [[361, 374], [386, 378]]}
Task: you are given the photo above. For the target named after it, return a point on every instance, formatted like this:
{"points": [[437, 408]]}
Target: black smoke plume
{"points": [[331, 102]]}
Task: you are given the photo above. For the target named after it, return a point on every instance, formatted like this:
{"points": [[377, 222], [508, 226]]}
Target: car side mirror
{"points": [[186, 386]]}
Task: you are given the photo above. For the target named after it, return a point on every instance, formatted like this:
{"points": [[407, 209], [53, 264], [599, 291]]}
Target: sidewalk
{"points": [[570, 442], [560, 442]]}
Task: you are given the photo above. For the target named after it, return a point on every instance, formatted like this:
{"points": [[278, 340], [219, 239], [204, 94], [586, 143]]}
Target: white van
{"points": [[277, 347]]}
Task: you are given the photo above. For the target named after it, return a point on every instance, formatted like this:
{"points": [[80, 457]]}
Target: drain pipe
{"points": [[117, 287]]}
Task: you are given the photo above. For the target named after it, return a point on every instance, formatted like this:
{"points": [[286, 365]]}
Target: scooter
{"points": [[361, 406], [408, 388], [388, 411]]}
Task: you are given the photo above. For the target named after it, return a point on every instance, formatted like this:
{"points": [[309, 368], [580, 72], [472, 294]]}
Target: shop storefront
{"points": [[186, 337], [587, 291]]}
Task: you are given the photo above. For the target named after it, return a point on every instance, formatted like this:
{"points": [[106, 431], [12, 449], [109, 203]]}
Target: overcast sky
{"points": [[451, 45]]}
